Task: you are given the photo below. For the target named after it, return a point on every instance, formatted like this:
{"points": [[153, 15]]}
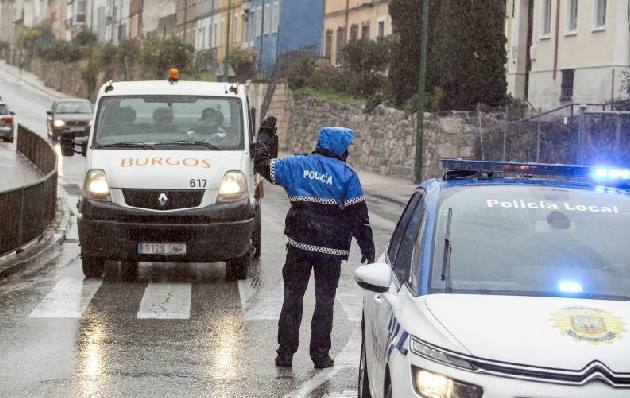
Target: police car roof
{"points": [[164, 87]]}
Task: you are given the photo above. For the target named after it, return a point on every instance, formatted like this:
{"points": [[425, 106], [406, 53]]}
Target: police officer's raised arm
{"points": [[264, 151]]}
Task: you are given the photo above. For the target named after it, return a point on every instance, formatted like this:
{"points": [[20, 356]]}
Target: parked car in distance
{"points": [[7, 122], [70, 116]]}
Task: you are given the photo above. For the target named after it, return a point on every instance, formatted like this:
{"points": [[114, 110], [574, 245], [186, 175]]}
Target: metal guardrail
{"points": [[26, 212]]}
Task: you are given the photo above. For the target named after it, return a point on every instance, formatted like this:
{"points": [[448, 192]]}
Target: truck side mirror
{"points": [[67, 145], [84, 148]]}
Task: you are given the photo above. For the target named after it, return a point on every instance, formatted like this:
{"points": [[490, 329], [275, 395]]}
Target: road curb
{"points": [[19, 259]]}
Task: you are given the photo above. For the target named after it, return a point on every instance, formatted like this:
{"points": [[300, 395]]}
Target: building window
{"points": [[268, 18], [600, 13], [258, 21], [354, 33], [546, 28], [252, 25], [276, 17], [328, 44], [566, 89], [340, 45], [572, 17], [381, 28], [365, 31]]}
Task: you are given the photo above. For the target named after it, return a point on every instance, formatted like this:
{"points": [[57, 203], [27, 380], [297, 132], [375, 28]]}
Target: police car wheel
{"points": [[237, 268], [128, 270], [257, 234], [92, 266], [364, 380]]}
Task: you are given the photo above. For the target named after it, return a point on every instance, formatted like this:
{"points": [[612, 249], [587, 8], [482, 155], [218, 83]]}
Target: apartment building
{"points": [[568, 51], [346, 21]]}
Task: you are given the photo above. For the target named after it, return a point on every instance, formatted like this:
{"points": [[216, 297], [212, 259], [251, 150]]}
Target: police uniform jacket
{"points": [[327, 203]]}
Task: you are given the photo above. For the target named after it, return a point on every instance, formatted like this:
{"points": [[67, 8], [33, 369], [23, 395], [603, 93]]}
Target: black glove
{"points": [[369, 260], [268, 126]]}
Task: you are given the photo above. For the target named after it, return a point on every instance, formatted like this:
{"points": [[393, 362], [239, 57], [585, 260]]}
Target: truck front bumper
{"points": [[214, 233]]}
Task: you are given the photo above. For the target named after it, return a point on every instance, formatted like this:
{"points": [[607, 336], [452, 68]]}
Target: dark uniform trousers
{"points": [[296, 274]]}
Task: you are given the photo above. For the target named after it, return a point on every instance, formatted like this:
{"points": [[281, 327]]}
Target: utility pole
{"points": [[226, 62], [422, 88], [185, 20]]}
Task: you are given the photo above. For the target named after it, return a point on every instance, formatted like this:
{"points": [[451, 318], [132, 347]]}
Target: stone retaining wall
{"points": [[385, 138]]}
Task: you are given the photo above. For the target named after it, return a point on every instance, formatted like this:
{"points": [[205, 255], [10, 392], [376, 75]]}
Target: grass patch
{"points": [[329, 95]]}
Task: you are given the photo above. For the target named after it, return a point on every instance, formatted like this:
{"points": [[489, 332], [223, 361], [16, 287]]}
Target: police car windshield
{"points": [[535, 241], [207, 123]]}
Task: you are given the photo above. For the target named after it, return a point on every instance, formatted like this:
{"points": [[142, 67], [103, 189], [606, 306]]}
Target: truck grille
{"points": [[162, 200]]}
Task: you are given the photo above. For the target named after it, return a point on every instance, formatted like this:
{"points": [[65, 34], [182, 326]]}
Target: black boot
{"points": [[324, 362], [284, 360]]}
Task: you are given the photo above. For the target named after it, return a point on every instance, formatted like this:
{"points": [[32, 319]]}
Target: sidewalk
{"points": [[389, 188], [16, 170], [30, 79]]}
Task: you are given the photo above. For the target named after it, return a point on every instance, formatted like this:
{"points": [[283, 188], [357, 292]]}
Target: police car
{"points": [[169, 177], [503, 280]]}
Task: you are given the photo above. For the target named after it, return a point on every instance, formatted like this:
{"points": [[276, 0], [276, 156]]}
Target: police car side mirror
{"points": [[49, 113], [375, 277], [11, 113]]}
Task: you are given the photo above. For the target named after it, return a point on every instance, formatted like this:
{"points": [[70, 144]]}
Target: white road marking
{"points": [[348, 358], [165, 301], [68, 299], [352, 303], [260, 304]]}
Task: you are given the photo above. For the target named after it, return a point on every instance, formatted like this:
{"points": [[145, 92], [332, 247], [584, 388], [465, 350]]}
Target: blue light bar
{"points": [[538, 169], [607, 174]]}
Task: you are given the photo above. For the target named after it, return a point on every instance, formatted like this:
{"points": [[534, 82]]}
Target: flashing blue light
{"points": [[570, 287], [606, 173]]}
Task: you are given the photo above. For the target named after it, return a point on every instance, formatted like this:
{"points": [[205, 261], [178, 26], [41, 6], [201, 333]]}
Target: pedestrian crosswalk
{"points": [[165, 301], [70, 298]]}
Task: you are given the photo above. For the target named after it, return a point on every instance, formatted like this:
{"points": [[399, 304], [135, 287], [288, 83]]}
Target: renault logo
{"points": [[163, 199]]}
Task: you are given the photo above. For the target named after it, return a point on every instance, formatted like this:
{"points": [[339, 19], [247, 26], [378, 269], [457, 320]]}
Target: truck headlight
{"points": [[233, 187], [95, 185], [433, 385], [59, 123]]}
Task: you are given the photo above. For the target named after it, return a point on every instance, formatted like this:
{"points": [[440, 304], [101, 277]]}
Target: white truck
{"points": [[169, 177]]}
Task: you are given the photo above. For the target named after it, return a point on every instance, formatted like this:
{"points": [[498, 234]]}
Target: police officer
{"points": [[327, 209]]}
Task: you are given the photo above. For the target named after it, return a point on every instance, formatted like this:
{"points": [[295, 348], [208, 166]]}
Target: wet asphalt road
{"points": [[178, 329]]}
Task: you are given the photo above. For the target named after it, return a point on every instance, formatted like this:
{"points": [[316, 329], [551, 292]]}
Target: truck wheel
{"points": [[128, 270], [257, 234], [92, 266], [237, 268]]}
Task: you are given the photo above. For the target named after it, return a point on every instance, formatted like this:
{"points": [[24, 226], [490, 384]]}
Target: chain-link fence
{"points": [[572, 134]]}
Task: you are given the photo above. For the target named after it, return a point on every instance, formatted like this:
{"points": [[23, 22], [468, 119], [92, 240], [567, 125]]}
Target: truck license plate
{"points": [[170, 249]]}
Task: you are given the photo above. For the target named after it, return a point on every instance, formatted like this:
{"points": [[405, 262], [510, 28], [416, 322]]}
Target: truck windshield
{"points": [[535, 241], [170, 122]]}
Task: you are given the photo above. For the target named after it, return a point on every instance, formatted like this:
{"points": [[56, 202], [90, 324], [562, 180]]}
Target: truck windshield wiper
{"points": [[446, 257], [190, 143], [138, 145]]}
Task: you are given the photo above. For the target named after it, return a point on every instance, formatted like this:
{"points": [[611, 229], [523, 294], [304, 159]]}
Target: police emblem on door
{"points": [[162, 200]]}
